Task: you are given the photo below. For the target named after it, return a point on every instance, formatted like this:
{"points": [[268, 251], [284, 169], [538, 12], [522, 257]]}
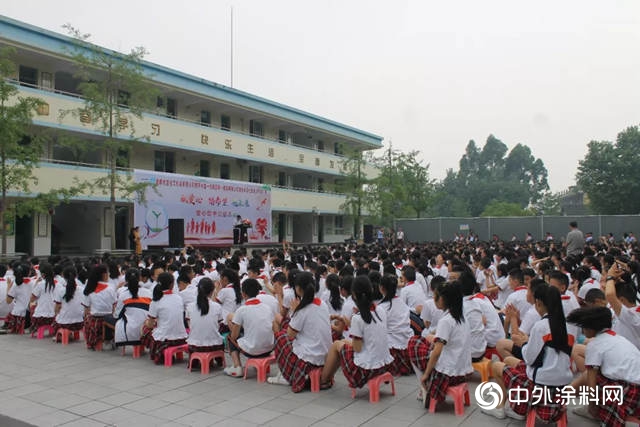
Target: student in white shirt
{"points": [[560, 281], [204, 316], [19, 292], [621, 295], [256, 321], [398, 326], [5, 308], [68, 303], [99, 299], [582, 276], [229, 295], [132, 309], [472, 312], [303, 346], [546, 360], [165, 320], [340, 323], [366, 354], [413, 296], [518, 298], [42, 296]]}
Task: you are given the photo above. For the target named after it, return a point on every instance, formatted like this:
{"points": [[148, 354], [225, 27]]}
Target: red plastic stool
{"points": [[460, 395], [137, 350], [483, 367], [314, 378], [176, 350], [206, 359], [263, 367], [531, 419], [490, 352], [41, 330], [65, 334], [374, 386]]}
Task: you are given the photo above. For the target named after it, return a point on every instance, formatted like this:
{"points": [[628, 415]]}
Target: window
{"points": [[255, 173], [172, 108], [321, 185], [255, 128], [46, 80], [337, 148], [122, 158], [282, 179], [225, 123], [205, 118], [320, 145], [225, 171], [123, 98], [338, 224], [165, 161], [205, 169], [282, 136], [160, 102], [28, 76]]}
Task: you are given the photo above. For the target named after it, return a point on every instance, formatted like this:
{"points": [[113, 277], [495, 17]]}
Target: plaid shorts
{"points": [[15, 324], [517, 377], [438, 384], [612, 414], [401, 364], [93, 330], [156, 351], [205, 349], [355, 375], [419, 350], [292, 368]]}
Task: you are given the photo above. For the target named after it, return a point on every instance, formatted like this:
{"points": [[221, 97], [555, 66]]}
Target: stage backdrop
{"points": [[208, 206]]}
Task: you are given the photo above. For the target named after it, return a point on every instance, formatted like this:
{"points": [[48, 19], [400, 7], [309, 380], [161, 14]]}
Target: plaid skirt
{"points": [[15, 324], [418, 351], [145, 336], [156, 351], [292, 368], [401, 364], [438, 384], [205, 349], [612, 414], [93, 330], [355, 375], [36, 322], [549, 412], [70, 326]]}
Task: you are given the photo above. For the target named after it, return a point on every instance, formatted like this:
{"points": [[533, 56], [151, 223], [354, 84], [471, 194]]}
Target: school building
{"points": [[197, 129]]}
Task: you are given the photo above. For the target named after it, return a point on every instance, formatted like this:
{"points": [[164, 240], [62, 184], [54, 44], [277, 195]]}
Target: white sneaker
{"points": [[583, 411], [278, 379], [509, 412], [496, 412], [234, 371]]}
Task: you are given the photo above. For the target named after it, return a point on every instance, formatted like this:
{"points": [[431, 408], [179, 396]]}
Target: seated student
{"points": [[546, 361], [256, 321], [341, 322], [443, 360], [594, 266], [42, 297], [472, 312], [398, 326], [229, 295], [132, 309], [560, 281], [611, 360], [99, 299], [585, 282], [366, 355], [499, 288], [518, 297], [164, 326], [621, 295], [68, 300], [303, 346], [412, 296], [493, 326], [19, 291], [204, 317]]}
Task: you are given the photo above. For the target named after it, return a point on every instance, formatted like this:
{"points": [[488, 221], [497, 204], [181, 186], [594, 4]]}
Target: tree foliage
{"points": [[496, 208], [353, 185], [610, 174]]}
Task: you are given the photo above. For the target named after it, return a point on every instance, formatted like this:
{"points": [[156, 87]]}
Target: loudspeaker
{"points": [[176, 232], [368, 233]]}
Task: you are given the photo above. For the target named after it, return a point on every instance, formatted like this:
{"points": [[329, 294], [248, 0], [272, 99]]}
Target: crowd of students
{"points": [[430, 310]]}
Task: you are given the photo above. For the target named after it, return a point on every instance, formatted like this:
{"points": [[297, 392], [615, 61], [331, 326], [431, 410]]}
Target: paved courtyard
{"points": [[45, 384]]}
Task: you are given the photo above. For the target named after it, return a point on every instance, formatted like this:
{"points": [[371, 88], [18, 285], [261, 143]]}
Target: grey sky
{"points": [[427, 75]]}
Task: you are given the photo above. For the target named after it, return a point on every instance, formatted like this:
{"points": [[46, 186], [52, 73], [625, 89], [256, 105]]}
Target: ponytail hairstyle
{"points": [[362, 294], [132, 277], [46, 270], [21, 272], [333, 286], [320, 271], [306, 282], [205, 289], [549, 296], [451, 295], [234, 279], [390, 285], [165, 283], [95, 275], [69, 275]]}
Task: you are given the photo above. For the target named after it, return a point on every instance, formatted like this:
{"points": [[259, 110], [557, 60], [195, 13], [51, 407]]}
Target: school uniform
{"points": [[131, 313], [169, 331], [627, 324], [587, 285], [493, 329], [570, 303], [71, 314], [518, 298], [326, 298], [398, 334], [45, 309], [473, 318], [100, 303], [504, 291], [21, 296], [203, 330], [374, 357], [595, 274], [256, 318], [188, 295], [347, 307], [554, 372], [307, 351], [430, 313], [413, 296], [227, 299], [619, 364], [270, 301]]}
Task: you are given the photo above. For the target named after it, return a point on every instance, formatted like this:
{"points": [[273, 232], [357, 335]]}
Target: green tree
{"points": [[115, 92], [610, 174], [496, 208], [354, 185]]}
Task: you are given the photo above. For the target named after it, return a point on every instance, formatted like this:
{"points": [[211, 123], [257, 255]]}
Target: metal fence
{"points": [[436, 229]]}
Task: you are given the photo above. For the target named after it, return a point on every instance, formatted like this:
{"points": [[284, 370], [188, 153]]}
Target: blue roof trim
{"points": [[54, 42]]}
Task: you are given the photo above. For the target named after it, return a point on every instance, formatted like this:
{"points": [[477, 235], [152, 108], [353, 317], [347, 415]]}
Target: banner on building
{"points": [[208, 206]]}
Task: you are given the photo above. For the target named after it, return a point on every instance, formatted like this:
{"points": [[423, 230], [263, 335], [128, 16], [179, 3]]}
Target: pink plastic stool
{"points": [[137, 350], [263, 367], [314, 378], [206, 359], [41, 330], [483, 367], [65, 334], [176, 350], [531, 419], [374, 386], [460, 395]]}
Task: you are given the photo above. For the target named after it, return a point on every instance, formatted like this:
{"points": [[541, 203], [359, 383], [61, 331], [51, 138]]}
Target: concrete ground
{"points": [[47, 384]]}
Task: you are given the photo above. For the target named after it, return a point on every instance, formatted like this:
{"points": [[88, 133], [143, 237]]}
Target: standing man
{"points": [[575, 239], [400, 236]]}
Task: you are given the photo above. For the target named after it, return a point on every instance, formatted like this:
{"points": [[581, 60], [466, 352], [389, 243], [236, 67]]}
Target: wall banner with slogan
{"points": [[208, 206]]}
